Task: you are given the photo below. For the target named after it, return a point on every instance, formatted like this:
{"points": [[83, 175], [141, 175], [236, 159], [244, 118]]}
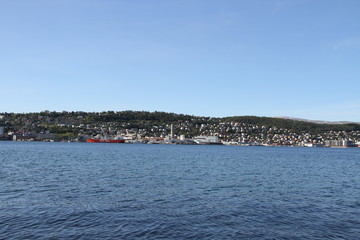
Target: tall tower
{"points": [[172, 131]]}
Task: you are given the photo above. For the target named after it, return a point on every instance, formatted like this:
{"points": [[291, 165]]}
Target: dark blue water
{"points": [[121, 191]]}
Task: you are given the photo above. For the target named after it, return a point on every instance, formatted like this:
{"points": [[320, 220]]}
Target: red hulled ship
{"points": [[93, 140]]}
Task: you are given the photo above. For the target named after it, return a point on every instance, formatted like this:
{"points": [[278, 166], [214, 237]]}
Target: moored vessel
{"points": [[93, 140]]}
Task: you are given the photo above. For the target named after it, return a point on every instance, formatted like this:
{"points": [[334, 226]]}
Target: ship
{"points": [[117, 139], [93, 140]]}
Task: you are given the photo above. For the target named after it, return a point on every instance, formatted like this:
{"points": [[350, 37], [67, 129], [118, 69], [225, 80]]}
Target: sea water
{"points": [[147, 191]]}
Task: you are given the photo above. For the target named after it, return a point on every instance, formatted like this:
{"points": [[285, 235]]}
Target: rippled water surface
{"points": [[121, 191]]}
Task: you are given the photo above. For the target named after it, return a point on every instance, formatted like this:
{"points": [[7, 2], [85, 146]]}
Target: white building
{"points": [[338, 143]]}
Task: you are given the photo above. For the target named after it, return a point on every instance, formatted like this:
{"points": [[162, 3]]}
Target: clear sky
{"points": [[297, 58]]}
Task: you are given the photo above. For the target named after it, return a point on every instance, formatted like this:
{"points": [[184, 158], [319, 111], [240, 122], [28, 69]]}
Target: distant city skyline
{"points": [[295, 58]]}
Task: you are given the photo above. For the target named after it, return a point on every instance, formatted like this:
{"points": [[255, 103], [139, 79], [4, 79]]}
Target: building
{"points": [[338, 143]]}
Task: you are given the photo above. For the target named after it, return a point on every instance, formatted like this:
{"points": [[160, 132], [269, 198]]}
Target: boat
{"points": [[93, 140], [106, 139]]}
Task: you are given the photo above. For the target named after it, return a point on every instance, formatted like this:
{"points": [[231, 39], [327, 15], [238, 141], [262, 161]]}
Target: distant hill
{"points": [[319, 121], [294, 124], [146, 120]]}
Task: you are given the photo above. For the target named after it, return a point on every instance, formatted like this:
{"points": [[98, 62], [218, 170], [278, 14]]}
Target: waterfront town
{"points": [[168, 128]]}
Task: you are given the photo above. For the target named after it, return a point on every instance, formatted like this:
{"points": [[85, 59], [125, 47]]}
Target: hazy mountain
{"points": [[317, 121]]}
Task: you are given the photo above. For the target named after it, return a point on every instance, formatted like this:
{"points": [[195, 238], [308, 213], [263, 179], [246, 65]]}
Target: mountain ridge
{"points": [[317, 121]]}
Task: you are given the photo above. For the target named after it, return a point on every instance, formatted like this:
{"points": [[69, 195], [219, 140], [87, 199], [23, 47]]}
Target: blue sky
{"points": [[298, 58]]}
